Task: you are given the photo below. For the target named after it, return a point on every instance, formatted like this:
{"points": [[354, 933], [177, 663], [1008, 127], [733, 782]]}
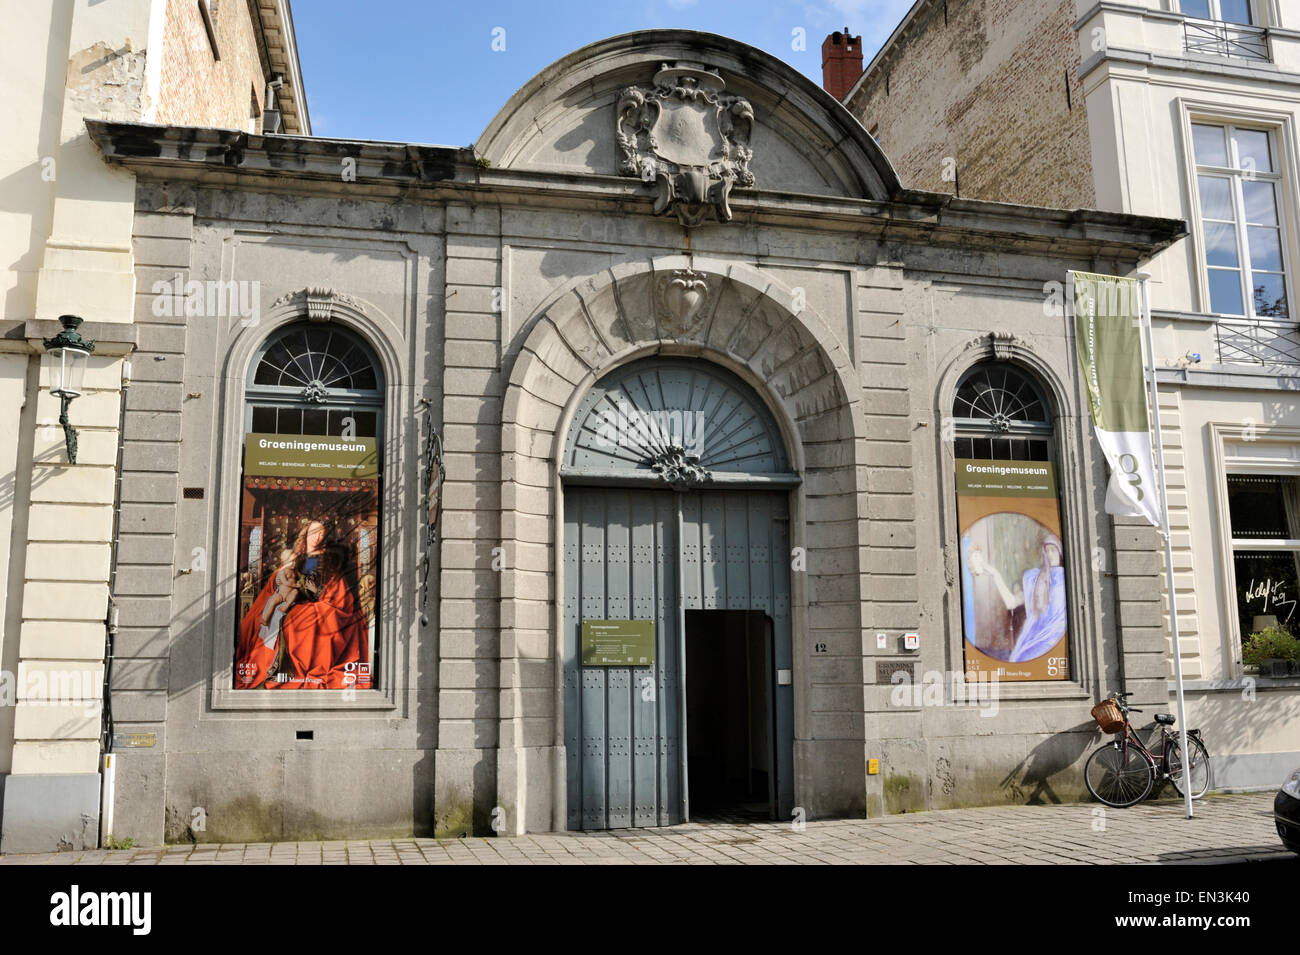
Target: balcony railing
{"points": [[1225, 39], [1258, 343]]}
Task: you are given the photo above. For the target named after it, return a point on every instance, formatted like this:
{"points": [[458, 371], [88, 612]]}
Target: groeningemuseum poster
{"points": [[308, 563], [1013, 571]]}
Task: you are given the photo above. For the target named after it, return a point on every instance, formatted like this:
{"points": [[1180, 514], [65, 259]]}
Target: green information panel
{"points": [[618, 643]]}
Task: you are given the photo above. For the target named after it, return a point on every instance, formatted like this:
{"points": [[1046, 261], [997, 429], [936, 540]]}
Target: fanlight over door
{"points": [[674, 423]]}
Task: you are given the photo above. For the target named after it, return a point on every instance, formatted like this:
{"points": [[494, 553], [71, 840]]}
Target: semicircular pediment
{"points": [[692, 108]]}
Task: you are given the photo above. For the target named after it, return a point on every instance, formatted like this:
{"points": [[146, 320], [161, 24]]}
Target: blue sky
{"points": [[424, 71]]}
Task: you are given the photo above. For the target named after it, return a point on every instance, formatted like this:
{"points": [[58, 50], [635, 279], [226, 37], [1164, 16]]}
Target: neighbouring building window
{"points": [[1224, 28], [1229, 11], [1015, 619], [309, 562], [1265, 513], [1240, 190]]}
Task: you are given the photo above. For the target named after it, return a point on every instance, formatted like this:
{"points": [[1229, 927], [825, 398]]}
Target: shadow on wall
{"points": [[285, 775], [1030, 783], [1234, 722], [271, 785]]}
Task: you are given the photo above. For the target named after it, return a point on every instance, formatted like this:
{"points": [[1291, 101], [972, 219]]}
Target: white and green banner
{"points": [[1108, 328]]}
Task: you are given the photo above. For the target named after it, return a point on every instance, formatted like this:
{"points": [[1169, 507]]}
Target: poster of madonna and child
{"points": [[308, 563], [1012, 571]]}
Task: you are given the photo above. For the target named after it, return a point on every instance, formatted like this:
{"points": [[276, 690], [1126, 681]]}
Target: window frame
{"points": [[1052, 432], [1227, 458], [237, 402], [1281, 143], [1216, 13]]}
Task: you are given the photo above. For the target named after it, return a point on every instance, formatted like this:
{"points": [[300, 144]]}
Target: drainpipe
{"points": [[108, 786]]}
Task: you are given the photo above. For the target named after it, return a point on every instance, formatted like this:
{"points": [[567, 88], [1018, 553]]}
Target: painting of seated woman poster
{"points": [[308, 567], [1014, 600]]}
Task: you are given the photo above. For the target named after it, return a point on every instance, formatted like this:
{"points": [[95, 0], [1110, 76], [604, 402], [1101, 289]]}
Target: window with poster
{"points": [[309, 518], [1264, 510], [1015, 624]]}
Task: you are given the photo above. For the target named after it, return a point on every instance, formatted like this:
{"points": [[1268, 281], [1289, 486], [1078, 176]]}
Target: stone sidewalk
{"points": [[1228, 828]]}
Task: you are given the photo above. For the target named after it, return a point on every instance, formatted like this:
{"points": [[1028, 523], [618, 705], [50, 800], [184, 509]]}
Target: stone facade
{"points": [[496, 286]]}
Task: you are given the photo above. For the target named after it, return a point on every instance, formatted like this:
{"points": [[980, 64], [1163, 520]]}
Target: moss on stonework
{"points": [[903, 793], [454, 820], [248, 819]]}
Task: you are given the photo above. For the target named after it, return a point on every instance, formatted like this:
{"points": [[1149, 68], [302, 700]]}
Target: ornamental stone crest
{"points": [[319, 302], [1003, 343], [682, 296], [680, 469], [688, 138]]}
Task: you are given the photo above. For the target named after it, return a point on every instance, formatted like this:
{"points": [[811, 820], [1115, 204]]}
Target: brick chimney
{"points": [[841, 63]]}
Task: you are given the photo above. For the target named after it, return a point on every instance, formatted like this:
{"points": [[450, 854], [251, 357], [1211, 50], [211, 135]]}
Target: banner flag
{"points": [[1107, 324]]}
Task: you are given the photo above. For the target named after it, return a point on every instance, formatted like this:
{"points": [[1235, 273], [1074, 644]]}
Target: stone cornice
{"points": [[1259, 71], [361, 169], [29, 336]]}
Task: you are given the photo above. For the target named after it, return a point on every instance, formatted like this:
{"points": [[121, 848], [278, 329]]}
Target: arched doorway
{"points": [[678, 682]]}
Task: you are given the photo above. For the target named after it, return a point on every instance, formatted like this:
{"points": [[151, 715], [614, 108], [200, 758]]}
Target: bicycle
{"points": [[1122, 772]]}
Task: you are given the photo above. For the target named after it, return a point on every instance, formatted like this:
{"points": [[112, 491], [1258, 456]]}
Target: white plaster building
{"points": [[69, 239]]}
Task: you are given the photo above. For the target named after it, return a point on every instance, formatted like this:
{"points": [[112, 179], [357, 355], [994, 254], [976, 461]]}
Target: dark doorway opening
{"points": [[730, 717]]}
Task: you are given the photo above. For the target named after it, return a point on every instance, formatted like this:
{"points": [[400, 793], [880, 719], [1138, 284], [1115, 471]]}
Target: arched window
{"points": [[311, 379], [1015, 618], [310, 513], [999, 412]]}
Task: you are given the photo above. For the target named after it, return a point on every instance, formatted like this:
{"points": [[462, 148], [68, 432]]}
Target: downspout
{"points": [[108, 783]]}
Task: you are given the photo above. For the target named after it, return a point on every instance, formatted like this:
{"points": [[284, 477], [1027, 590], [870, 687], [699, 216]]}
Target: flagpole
{"points": [[1144, 297]]}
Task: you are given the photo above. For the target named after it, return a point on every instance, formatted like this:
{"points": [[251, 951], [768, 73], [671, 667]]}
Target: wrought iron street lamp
{"points": [[70, 353]]}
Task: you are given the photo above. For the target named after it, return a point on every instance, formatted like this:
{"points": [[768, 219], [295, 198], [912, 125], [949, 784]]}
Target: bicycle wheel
{"points": [[1119, 776], [1200, 771]]}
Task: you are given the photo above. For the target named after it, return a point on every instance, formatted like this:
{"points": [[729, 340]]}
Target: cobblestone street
{"points": [[1229, 828]]}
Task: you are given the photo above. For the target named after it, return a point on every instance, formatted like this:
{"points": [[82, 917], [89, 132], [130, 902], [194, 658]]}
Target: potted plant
{"points": [[1274, 650]]}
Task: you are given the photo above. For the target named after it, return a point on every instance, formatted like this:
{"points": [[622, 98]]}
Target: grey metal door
{"points": [[624, 559], [622, 724]]}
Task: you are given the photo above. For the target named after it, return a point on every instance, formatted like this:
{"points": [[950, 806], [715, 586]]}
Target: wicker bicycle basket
{"points": [[1108, 716]]}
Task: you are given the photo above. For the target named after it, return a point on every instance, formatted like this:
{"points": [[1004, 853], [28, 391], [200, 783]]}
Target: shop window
{"points": [[1240, 188], [309, 550], [1264, 510], [1014, 599]]}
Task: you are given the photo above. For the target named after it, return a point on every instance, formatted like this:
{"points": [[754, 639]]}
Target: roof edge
{"points": [[310, 164]]}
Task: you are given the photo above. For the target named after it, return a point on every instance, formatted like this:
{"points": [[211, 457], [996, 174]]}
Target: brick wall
{"points": [[196, 88], [984, 95]]}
